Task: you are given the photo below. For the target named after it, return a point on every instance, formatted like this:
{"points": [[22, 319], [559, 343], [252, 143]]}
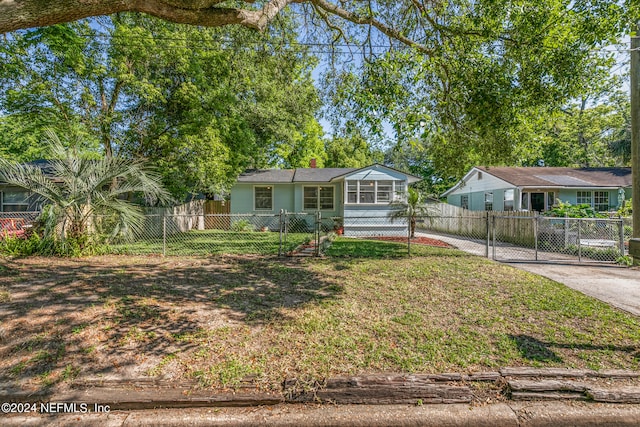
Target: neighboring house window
{"points": [[551, 199], [583, 197], [524, 202], [369, 191], [488, 201], [318, 198], [464, 202], [263, 198], [508, 200], [15, 201], [601, 201]]}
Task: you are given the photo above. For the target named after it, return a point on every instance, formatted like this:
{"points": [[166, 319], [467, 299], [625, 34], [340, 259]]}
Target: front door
{"points": [[537, 202]]}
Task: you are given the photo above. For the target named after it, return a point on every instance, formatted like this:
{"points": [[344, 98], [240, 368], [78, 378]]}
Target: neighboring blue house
{"points": [[539, 188], [361, 198]]}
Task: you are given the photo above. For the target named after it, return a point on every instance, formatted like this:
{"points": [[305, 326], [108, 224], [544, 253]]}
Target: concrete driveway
{"points": [[613, 284], [618, 286]]}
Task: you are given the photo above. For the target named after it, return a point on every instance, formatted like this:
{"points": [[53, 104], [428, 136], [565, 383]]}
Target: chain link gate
{"points": [[551, 239]]}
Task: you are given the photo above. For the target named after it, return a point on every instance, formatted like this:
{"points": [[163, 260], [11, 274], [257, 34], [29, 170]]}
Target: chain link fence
{"points": [[504, 237], [557, 239], [16, 224], [516, 237], [278, 234]]}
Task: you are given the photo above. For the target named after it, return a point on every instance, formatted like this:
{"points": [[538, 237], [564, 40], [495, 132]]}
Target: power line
{"points": [[283, 43]]}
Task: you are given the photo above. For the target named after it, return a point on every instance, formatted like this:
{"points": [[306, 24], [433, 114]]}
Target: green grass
{"points": [[343, 247], [205, 242], [368, 308]]}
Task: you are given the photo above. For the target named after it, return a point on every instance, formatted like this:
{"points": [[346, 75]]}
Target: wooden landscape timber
{"points": [[515, 384]]}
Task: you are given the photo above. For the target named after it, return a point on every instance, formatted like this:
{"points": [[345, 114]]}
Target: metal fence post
{"points": [[536, 229], [493, 229], [621, 235], [164, 234], [408, 235], [281, 226], [317, 236], [486, 249], [579, 244]]}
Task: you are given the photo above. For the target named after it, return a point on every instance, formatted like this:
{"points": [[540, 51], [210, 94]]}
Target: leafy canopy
{"points": [[200, 104]]}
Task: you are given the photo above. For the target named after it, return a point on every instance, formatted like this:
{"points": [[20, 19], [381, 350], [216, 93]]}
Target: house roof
{"points": [[45, 166], [303, 175], [410, 178], [562, 177], [554, 177], [292, 175], [320, 174], [267, 175]]}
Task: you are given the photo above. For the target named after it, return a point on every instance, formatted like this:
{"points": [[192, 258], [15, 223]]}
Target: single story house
{"points": [[18, 199], [539, 188], [360, 198]]}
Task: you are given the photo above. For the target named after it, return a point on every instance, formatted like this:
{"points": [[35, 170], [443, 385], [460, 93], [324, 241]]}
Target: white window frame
{"points": [[25, 204], [255, 208], [551, 199], [464, 201], [398, 189], [488, 199], [525, 200], [589, 202], [317, 207], [597, 194], [511, 200]]}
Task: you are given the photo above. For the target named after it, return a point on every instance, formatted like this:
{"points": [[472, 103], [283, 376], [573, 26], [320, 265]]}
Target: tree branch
{"points": [[15, 15], [383, 28]]}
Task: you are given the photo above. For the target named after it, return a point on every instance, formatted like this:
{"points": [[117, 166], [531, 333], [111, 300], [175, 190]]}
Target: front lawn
{"points": [[205, 242], [215, 320]]}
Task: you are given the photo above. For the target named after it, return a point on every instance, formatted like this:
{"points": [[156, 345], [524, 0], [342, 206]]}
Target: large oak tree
{"points": [[201, 104], [474, 71]]}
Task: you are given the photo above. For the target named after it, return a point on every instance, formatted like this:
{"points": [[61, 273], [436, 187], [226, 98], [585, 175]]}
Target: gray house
{"points": [[539, 188], [360, 198], [18, 199]]}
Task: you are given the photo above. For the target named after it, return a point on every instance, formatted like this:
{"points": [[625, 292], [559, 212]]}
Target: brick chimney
{"points": [[312, 163]]}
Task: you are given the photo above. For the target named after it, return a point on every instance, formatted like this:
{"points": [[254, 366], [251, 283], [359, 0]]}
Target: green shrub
{"points": [[35, 244], [625, 210], [242, 225], [566, 209]]}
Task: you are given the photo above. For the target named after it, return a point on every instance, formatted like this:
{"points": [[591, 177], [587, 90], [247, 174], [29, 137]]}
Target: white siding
{"points": [[487, 183], [376, 174]]}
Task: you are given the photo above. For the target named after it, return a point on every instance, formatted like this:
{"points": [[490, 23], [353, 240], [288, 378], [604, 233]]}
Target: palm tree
{"points": [[410, 208], [76, 190]]}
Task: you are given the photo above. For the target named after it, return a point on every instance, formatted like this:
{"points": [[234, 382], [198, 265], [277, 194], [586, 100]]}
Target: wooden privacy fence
{"points": [[217, 207], [182, 218], [449, 219]]}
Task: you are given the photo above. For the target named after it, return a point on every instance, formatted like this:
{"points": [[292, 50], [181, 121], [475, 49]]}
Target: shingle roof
{"points": [[319, 174], [267, 175], [561, 177], [293, 175]]}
